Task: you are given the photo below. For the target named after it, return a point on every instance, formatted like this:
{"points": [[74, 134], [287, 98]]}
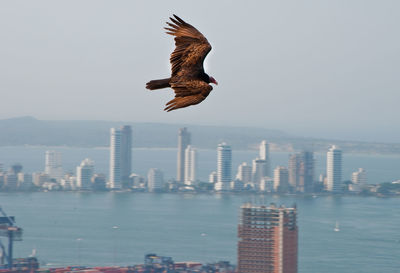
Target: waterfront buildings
{"points": [[84, 173], [190, 165], [268, 239], [334, 170], [53, 165], [224, 167], [155, 180], [281, 180], [183, 142], [120, 156]]}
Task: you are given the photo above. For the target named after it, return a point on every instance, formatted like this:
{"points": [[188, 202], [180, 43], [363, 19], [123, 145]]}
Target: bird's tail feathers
{"points": [[158, 84]]}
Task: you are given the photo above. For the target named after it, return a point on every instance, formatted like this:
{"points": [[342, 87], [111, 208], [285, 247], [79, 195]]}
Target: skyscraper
{"points": [[224, 167], [268, 239], [307, 172], [53, 166], [84, 173], [183, 142], [259, 170], [155, 180], [281, 179], [334, 169], [190, 165], [244, 173], [126, 154], [295, 162], [264, 155], [120, 156]]}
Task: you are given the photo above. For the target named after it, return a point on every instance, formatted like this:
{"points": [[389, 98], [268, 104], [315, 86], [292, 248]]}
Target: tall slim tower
{"points": [[307, 172], [334, 169], [224, 167], [126, 154], [268, 239], [53, 166], [259, 170], [183, 142], [264, 155], [120, 156], [295, 162], [190, 165]]}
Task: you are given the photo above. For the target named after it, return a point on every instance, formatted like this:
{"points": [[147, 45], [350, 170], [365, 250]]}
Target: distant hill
{"points": [[31, 131]]}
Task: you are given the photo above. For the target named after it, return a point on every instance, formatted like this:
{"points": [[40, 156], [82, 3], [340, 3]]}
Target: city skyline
{"points": [[298, 177]]}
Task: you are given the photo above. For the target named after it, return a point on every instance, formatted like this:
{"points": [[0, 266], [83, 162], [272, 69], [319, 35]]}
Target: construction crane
{"points": [[12, 232]]}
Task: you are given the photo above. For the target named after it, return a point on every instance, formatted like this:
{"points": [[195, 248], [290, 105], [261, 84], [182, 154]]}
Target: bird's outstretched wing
{"points": [[188, 93], [190, 51]]}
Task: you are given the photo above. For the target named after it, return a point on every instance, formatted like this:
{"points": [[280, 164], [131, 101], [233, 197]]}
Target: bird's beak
{"points": [[212, 80]]}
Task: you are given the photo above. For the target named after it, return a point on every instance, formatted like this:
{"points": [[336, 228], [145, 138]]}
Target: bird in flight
{"points": [[188, 79]]}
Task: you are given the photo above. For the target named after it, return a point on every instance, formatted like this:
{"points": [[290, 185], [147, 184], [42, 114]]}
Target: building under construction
{"points": [[267, 239]]}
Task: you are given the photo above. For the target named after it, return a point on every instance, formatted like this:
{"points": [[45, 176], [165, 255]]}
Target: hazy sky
{"points": [[313, 68]]}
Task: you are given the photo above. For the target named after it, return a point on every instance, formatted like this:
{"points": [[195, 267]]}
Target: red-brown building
{"points": [[267, 239]]}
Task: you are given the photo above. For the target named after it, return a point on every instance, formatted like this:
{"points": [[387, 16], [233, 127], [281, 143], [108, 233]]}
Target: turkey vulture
{"points": [[188, 79]]}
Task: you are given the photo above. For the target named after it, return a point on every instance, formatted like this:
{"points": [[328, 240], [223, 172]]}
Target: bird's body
{"points": [[188, 79]]}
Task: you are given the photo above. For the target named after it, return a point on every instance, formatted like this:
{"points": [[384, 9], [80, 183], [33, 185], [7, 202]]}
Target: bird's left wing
{"points": [[191, 47], [188, 93]]}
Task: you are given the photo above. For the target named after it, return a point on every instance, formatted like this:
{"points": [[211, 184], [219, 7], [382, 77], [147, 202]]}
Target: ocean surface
{"points": [[92, 229], [379, 168]]}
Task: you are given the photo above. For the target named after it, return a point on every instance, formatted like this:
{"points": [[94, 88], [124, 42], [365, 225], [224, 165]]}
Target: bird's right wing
{"points": [[188, 93], [191, 47]]}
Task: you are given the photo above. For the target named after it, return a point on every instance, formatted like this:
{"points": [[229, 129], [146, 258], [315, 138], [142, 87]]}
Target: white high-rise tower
{"points": [[334, 169], [264, 155], [115, 159], [224, 167], [53, 167], [183, 142], [190, 165]]}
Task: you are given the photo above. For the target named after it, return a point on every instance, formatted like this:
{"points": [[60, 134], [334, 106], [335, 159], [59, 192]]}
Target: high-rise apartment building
{"points": [[359, 180], [183, 142], [259, 170], [264, 155], [190, 165], [224, 167], [120, 156], [334, 169], [84, 173], [281, 179], [295, 164], [155, 180], [306, 183], [126, 154], [53, 166], [244, 173], [268, 239]]}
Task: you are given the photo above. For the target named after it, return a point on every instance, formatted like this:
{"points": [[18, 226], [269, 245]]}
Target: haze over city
{"points": [[312, 68]]}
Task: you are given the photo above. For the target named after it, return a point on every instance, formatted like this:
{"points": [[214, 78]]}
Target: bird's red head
{"points": [[212, 80]]}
